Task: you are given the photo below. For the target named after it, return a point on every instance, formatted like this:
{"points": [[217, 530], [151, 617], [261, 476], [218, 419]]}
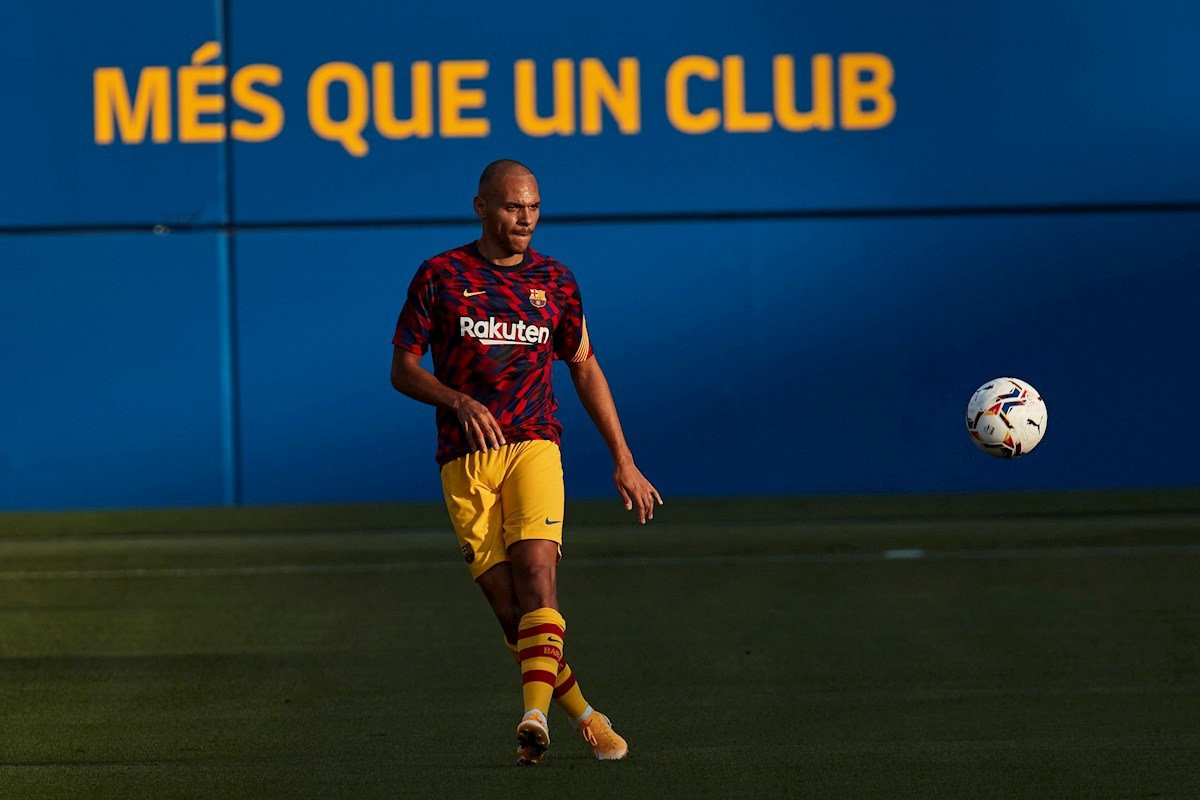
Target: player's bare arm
{"points": [[592, 387], [411, 379]]}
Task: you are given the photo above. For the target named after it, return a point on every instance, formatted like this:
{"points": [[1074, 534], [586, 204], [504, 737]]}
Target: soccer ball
{"points": [[1006, 418]]}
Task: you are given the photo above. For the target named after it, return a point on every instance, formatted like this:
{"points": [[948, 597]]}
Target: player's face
{"points": [[511, 211]]}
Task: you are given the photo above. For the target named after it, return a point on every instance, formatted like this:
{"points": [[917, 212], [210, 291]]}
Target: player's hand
{"points": [[483, 432], [636, 491]]}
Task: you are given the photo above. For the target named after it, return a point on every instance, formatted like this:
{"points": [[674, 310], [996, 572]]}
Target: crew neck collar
{"points": [[487, 262]]}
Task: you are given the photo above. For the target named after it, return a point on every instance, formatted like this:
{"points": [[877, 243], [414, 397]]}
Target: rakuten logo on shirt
{"points": [[489, 331]]}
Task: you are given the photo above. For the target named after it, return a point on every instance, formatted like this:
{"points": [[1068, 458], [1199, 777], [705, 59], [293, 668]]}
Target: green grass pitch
{"points": [[972, 646]]}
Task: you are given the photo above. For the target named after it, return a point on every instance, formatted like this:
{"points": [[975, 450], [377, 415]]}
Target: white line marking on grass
{"points": [[606, 561], [219, 572], [930, 555], [904, 553]]}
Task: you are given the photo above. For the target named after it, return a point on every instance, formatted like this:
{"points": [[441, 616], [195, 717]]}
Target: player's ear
{"points": [[480, 207]]}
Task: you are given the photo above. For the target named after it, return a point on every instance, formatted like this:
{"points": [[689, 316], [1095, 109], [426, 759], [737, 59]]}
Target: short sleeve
{"points": [[571, 340], [416, 318]]}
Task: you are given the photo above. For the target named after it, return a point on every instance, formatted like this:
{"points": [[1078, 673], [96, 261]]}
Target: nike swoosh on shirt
{"points": [[472, 294], [552, 521]]}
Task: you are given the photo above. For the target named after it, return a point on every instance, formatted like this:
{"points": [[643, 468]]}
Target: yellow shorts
{"points": [[503, 496]]}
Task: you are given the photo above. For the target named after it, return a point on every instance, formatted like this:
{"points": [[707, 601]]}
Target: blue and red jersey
{"points": [[495, 332]]}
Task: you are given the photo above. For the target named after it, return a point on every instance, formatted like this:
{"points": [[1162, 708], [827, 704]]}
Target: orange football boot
{"points": [[533, 738], [606, 743]]}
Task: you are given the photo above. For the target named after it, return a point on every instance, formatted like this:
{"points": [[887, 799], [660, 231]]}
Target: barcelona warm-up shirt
{"points": [[495, 332]]}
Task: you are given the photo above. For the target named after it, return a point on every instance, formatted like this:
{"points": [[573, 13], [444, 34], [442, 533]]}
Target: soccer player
{"points": [[496, 314]]}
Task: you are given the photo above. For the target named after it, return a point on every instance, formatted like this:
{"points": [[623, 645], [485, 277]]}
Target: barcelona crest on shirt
{"points": [[537, 298]]}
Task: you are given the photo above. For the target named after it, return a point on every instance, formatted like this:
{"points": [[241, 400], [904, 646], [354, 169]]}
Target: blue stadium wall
{"points": [[805, 233]]}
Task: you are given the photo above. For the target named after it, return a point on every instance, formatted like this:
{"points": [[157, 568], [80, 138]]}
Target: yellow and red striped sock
{"points": [[540, 636], [567, 693]]}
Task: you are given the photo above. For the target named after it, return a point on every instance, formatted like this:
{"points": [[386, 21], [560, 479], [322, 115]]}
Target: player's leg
{"points": [[532, 500], [534, 567], [535, 574], [531, 497], [540, 635], [541, 630], [497, 586], [470, 488]]}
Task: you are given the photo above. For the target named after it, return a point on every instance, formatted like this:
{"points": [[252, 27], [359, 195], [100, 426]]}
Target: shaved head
{"points": [[496, 170], [508, 206]]}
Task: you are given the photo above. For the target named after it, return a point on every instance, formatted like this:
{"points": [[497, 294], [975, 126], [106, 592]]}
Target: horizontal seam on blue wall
{"points": [[629, 218]]}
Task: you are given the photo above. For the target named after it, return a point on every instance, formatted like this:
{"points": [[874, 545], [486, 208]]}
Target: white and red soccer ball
{"points": [[1006, 418]]}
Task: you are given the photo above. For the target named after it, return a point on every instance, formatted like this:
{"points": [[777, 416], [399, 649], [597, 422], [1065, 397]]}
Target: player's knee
{"points": [[538, 591], [534, 565], [534, 576], [533, 568]]}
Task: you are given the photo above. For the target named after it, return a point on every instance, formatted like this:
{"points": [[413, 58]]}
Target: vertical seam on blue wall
{"points": [[227, 288]]}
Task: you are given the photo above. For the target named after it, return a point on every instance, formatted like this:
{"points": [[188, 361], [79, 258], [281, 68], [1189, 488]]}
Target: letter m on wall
{"points": [[115, 110]]}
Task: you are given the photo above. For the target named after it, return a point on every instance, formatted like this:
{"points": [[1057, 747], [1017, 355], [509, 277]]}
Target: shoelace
{"points": [[588, 736]]}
